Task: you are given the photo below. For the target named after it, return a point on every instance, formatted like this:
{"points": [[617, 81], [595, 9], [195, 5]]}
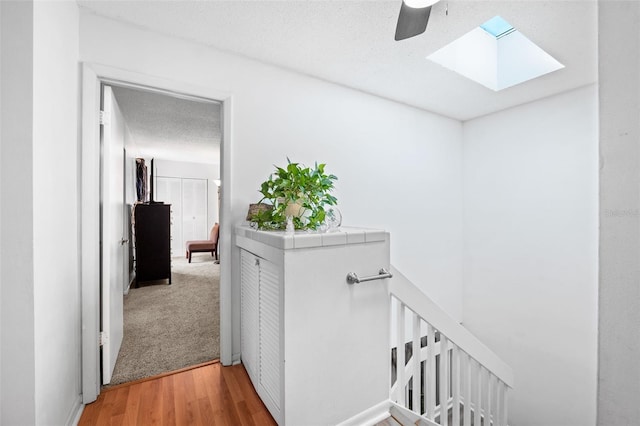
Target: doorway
{"points": [[93, 77], [170, 314]]}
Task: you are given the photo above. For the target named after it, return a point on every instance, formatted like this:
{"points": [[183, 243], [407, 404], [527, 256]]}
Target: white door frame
{"points": [[92, 76]]}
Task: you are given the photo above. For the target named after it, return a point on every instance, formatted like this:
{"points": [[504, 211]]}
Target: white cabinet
{"points": [[260, 326], [304, 329]]}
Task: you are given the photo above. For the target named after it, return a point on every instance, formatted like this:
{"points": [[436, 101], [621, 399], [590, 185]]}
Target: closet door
{"points": [[169, 190], [194, 209]]}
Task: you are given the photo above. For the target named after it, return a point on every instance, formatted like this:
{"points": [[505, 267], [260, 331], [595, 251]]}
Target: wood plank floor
{"points": [[206, 395]]}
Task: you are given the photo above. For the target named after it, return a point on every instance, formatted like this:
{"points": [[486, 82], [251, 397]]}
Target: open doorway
{"points": [[162, 150], [93, 75]]}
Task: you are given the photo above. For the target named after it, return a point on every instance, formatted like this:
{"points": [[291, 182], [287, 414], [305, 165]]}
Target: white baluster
{"points": [[430, 368], [400, 355], [393, 391], [505, 399], [467, 390], [461, 377], [490, 394], [499, 421], [444, 380], [415, 359], [455, 385], [477, 409]]}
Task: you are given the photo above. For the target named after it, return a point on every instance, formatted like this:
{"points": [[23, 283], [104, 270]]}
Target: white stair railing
{"points": [[449, 376]]}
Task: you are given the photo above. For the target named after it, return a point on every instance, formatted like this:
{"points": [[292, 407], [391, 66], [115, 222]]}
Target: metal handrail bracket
{"points": [[353, 278]]}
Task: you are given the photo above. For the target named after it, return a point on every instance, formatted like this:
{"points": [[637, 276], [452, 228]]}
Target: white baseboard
{"points": [[235, 359], [370, 416], [75, 413]]}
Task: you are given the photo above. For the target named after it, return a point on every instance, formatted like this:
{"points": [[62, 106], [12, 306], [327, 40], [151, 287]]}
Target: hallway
{"points": [[209, 394]]}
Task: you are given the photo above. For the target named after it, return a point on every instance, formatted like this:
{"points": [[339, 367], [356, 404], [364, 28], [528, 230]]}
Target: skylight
{"points": [[496, 55]]}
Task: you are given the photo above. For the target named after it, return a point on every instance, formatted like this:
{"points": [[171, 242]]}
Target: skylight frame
{"points": [[496, 55]]}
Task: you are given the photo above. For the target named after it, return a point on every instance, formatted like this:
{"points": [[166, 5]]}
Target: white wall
{"points": [[399, 167], [531, 250], [39, 256], [17, 372], [619, 290], [56, 211]]}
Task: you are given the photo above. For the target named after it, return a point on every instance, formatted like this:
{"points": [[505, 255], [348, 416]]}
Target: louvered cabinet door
{"points": [[249, 276], [269, 325]]}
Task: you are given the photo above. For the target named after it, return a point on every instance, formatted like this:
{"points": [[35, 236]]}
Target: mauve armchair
{"points": [[202, 246]]}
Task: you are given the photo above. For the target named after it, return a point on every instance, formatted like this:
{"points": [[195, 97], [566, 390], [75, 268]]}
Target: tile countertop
{"points": [[308, 239]]}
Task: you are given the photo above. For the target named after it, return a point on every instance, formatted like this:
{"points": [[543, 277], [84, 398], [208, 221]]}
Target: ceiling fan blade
{"points": [[412, 21]]}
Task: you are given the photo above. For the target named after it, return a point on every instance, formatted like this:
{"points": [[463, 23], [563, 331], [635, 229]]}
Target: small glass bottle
{"points": [[290, 229]]}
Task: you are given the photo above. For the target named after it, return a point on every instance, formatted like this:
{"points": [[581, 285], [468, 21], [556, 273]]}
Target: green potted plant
{"points": [[297, 193]]}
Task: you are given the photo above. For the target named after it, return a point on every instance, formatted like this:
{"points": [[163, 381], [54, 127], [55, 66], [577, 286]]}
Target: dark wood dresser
{"points": [[153, 242]]}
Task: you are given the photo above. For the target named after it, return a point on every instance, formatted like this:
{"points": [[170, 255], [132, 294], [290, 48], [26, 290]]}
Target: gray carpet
{"points": [[168, 327]]}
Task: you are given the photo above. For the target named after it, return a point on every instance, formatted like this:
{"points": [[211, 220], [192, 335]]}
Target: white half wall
{"points": [[531, 251], [399, 168]]}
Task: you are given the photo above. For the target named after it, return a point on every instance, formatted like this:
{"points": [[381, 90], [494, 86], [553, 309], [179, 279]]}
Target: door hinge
{"points": [[104, 338], [105, 118]]}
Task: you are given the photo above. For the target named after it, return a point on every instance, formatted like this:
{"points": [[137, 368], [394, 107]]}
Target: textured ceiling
{"points": [[168, 127], [351, 43]]}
